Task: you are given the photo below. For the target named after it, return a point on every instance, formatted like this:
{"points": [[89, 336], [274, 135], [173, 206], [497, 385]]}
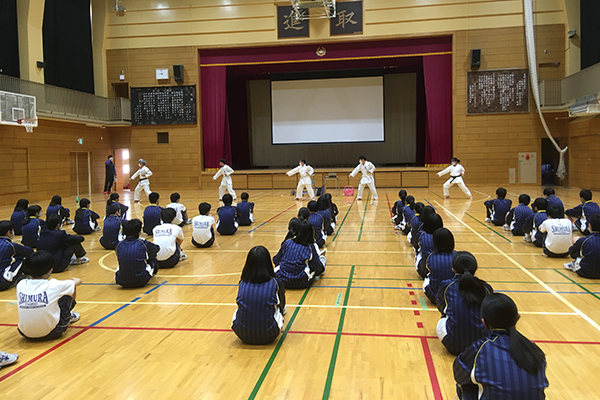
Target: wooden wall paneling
{"points": [[260, 181], [388, 179], [282, 181], [415, 179]]}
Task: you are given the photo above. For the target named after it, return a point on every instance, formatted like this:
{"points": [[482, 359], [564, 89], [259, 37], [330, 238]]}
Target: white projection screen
{"points": [[340, 110]]}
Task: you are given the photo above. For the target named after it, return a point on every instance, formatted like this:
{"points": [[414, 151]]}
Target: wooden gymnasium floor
{"points": [[364, 330]]}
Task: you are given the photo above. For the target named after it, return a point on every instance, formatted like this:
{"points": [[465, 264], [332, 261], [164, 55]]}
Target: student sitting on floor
{"points": [[203, 234], [580, 214], [169, 237], [66, 249], [459, 300], [228, 217], [408, 213], [292, 228], [333, 208], [503, 365], [439, 263], [32, 226], [515, 219], [45, 305], [111, 233], [85, 219], [586, 252], [317, 222], [152, 213], [558, 233], [55, 207], [550, 196], [11, 256], [532, 234], [324, 206], [181, 217], [425, 245], [398, 206], [417, 226], [497, 209], [245, 211], [19, 215], [260, 300], [114, 199], [136, 257], [298, 263]]}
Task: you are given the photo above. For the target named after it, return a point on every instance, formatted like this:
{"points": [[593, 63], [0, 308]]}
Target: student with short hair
{"points": [[456, 171], [324, 210], [586, 252], [11, 256], [515, 219], [408, 212], [398, 206], [19, 215], [532, 234], [114, 199], [226, 182], [245, 210], [438, 264], [558, 233], [45, 305], [56, 207], [258, 319], [169, 237], [550, 196], [297, 263], [152, 213], [203, 234], [66, 249], [581, 213], [459, 301], [86, 220], [136, 257], [181, 217], [111, 232], [317, 222], [366, 168], [504, 364], [32, 226], [497, 209], [143, 184], [228, 217], [425, 245], [110, 174], [305, 182]]}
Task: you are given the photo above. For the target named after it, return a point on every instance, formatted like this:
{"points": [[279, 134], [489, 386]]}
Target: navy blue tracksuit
{"points": [[228, 223], [62, 246], [85, 222], [11, 260], [517, 217], [110, 232], [17, 219], [151, 218], [583, 212], [137, 262], [587, 250], [297, 265], [497, 209], [245, 208], [439, 268], [31, 231]]}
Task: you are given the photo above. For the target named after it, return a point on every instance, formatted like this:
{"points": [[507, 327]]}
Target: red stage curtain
{"points": [[437, 71], [215, 116]]}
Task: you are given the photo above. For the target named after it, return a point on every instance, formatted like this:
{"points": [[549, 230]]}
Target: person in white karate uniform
{"points": [[366, 168], [456, 178], [306, 172], [226, 183], [144, 184]]}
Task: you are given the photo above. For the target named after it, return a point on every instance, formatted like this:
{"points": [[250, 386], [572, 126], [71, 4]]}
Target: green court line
{"points": [[423, 303], [578, 284], [364, 215], [441, 197], [267, 367], [497, 233], [339, 228], [338, 336]]}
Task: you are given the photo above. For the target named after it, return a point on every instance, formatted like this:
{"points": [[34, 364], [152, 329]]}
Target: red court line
{"points": [[272, 218], [435, 385], [389, 207], [50, 350]]}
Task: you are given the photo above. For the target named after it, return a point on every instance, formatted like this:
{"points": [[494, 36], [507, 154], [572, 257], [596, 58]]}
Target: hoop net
{"points": [[28, 123]]}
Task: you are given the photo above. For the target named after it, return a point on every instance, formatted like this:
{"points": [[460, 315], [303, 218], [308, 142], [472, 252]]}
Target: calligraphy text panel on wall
{"points": [[163, 105], [287, 24], [498, 91], [348, 19]]}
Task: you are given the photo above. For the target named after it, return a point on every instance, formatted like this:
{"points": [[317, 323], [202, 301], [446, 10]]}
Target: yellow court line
{"points": [[531, 275]]}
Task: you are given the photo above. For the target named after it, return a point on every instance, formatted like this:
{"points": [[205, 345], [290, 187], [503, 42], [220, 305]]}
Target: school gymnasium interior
{"points": [[183, 84]]}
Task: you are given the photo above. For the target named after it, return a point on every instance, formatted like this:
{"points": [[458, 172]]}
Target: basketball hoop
{"points": [[28, 123]]}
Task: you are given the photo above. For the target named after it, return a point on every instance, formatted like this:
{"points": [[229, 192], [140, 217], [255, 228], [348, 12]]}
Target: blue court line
{"points": [[126, 305], [430, 204]]}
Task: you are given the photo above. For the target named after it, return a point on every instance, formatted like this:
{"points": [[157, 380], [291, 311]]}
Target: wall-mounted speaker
{"points": [[475, 58], [178, 73]]}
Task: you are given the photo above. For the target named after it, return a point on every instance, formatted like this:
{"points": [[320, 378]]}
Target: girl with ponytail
{"points": [[397, 208], [438, 265], [459, 301], [416, 225], [425, 244], [408, 212], [508, 365]]}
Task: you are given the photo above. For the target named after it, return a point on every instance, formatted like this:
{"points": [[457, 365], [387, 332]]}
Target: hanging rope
{"points": [[531, 57]]}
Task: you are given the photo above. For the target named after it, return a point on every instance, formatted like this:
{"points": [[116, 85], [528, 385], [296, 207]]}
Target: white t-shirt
{"points": [[202, 225], [559, 236], [179, 208], [165, 236], [39, 312]]}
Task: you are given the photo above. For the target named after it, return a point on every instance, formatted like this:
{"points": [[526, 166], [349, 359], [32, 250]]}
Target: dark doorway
{"points": [[121, 89], [550, 160]]}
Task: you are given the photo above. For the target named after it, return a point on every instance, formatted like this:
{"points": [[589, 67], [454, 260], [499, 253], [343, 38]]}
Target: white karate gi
{"points": [[305, 171], [144, 184], [456, 173], [226, 182], [367, 179]]}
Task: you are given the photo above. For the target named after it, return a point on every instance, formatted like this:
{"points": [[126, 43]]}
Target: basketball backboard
{"points": [[18, 109]]}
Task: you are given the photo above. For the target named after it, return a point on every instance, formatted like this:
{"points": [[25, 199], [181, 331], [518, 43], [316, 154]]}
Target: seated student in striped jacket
{"points": [[324, 206], [245, 210], [417, 227], [515, 219], [586, 252], [550, 195], [114, 199], [261, 300], [56, 207], [136, 257], [11, 256], [317, 222], [408, 213], [152, 213], [333, 208], [19, 215], [398, 206], [497, 209], [425, 245], [298, 263], [111, 233], [580, 214], [66, 249], [86, 220], [32, 226], [503, 365], [531, 227], [228, 217], [439, 263]]}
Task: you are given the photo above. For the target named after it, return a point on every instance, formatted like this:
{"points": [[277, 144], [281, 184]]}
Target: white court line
{"points": [[525, 270], [485, 194]]}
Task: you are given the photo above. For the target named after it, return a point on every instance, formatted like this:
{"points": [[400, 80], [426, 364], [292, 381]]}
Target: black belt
{"points": [[453, 178], [143, 179]]}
